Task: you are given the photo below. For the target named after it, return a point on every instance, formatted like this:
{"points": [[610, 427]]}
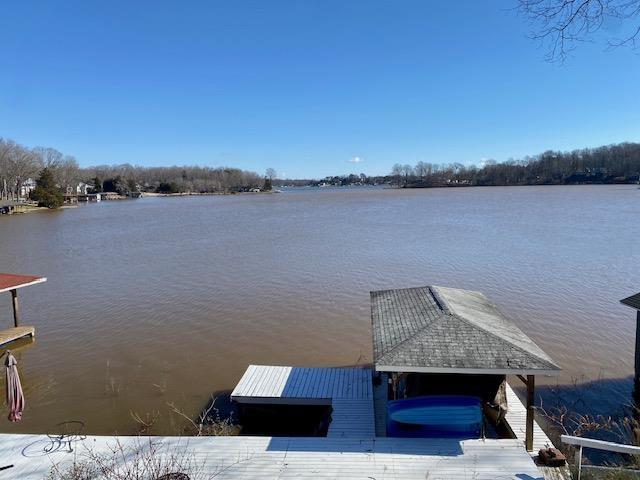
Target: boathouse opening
{"points": [[285, 420]]}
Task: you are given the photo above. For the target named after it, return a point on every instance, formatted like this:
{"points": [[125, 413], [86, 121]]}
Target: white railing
{"points": [[581, 443]]}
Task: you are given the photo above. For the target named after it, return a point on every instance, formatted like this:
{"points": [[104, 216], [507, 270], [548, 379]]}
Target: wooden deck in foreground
{"points": [[11, 334], [347, 390], [243, 458]]}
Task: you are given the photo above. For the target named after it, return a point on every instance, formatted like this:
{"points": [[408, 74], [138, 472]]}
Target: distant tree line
{"points": [[618, 163], [188, 179], [57, 174], [20, 164]]}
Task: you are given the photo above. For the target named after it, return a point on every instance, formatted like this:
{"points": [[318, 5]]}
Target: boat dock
{"points": [[428, 341], [358, 412], [10, 282], [347, 390], [12, 334]]}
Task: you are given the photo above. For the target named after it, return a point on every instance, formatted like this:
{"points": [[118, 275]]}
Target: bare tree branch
{"points": [[561, 24]]}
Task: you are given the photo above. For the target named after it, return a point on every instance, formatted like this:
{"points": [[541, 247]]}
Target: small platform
{"points": [[347, 390], [15, 333]]}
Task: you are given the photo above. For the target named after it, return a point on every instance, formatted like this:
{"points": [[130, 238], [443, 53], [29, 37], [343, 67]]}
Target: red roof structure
{"points": [[10, 281]]}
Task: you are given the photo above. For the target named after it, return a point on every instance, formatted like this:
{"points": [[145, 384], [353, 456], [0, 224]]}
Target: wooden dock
{"points": [[278, 458], [516, 417], [11, 334], [347, 390]]}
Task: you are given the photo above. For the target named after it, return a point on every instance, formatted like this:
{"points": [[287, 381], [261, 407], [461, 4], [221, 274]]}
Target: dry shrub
{"points": [[139, 462]]}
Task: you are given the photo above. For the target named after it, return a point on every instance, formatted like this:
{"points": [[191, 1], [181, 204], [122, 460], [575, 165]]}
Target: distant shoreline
{"points": [[199, 194]]}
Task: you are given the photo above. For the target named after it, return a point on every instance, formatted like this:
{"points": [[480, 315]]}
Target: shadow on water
{"points": [[613, 397], [607, 409]]}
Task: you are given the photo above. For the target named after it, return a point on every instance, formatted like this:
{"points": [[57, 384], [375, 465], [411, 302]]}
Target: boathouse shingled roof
{"points": [[447, 330], [633, 301]]}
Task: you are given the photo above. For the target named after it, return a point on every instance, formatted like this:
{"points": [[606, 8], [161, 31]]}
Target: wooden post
{"points": [[14, 299], [579, 461], [529, 426], [637, 353]]}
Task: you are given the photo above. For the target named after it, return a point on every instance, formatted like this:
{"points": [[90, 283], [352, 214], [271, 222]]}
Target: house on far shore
{"points": [[83, 188], [27, 187]]}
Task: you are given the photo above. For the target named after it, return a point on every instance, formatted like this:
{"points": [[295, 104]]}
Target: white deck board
{"points": [[274, 383], [347, 390], [241, 458], [517, 419]]}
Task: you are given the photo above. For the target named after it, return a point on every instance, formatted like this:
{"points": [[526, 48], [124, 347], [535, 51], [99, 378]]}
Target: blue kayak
{"points": [[435, 416]]}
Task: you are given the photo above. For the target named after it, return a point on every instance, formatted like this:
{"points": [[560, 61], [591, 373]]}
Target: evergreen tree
{"points": [[47, 193], [97, 185]]}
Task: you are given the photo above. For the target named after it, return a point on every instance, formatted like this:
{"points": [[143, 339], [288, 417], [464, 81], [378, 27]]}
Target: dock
{"points": [[442, 337], [10, 282], [516, 418], [347, 390], [12, 334], [278, 458]]}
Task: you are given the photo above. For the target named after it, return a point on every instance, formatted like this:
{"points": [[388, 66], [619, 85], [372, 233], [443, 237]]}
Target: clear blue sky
{"points": [[301, 86]]}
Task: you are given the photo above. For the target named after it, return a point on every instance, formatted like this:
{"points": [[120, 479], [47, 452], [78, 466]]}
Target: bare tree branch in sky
{"points": [[560, 25]]}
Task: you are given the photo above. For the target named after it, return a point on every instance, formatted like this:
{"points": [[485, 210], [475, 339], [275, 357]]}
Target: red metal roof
{"points": [[10, 281]]}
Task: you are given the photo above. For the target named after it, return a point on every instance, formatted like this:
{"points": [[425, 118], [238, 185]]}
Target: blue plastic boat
{"points": [[435, 416]]}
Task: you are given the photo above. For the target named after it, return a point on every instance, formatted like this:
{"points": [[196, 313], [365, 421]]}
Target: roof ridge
{"points": [[442, 303]]}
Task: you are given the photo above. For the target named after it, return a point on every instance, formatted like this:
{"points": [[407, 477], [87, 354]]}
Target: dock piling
{"points": [[14, 301]]}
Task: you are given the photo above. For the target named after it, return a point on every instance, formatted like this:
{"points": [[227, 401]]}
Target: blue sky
{"points": [[302, 86]]}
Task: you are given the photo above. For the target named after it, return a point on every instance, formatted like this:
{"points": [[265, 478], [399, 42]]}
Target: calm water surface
{"points": [[169, 299]]}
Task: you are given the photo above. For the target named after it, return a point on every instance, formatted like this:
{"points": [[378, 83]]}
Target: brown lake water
{"points": [[169, 299]]}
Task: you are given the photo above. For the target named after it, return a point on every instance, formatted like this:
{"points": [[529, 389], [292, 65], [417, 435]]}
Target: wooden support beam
{"points": [[523, 379], [530, 413], [14, 301]]}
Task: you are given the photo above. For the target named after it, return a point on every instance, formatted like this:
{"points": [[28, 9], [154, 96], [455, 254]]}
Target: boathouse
{"points": [[444, 340]]}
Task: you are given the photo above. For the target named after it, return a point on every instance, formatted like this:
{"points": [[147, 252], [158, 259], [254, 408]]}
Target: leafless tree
{"points": [[17, 164], [49, 157], [271, 173], [396, 172], [67, 173], [562, 24], [421, 170]]}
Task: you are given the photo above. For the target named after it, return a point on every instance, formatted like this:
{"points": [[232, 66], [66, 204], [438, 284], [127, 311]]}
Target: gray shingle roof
{"points": [[633, 301], [438, 329]]}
